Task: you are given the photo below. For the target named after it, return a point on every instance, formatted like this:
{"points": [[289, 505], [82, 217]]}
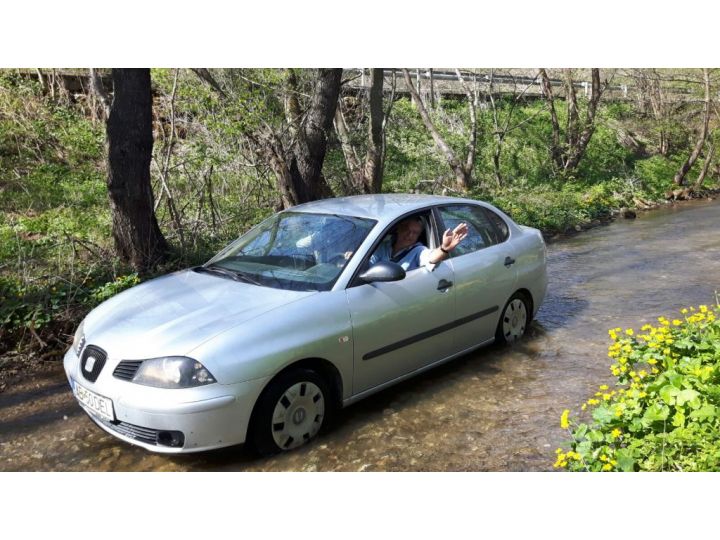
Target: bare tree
{"points": [[295, 151], [366, 176], [568, 148], [137, 236], [98, 90], [462, 171], [501, 129], [679, 179], [652, 98], [298, 166], [706, 166]]}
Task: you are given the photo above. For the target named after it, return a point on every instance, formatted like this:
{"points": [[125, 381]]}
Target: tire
{"points": [[514, 320], [290, 412]]}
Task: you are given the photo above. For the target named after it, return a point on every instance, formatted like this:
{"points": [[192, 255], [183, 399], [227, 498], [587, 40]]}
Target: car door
{"points": [[401, 326], [484, 270]]}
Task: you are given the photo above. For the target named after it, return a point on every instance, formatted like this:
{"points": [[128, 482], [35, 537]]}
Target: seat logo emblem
{"points": [[298, 416], [90, 363]]}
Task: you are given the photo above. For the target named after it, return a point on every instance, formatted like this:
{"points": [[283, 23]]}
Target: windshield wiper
{"points": [[225, 272], [245, 277]]}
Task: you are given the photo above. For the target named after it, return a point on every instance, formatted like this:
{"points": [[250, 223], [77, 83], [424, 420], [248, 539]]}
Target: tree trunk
{"points": [[135, 230], [99, 91], [311, 145], [555, 150], [706, 167], [462, 177], [577, 149], [573, 117], [375, 156], [679, 179], [354, 183]]}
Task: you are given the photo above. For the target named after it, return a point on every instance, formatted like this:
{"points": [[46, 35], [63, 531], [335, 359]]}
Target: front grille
{"points": [[155, 437], [92, 368], [127, 369], [146, 435]]}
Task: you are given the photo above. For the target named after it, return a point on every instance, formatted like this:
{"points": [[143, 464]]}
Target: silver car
{"points": [[291, 322]]}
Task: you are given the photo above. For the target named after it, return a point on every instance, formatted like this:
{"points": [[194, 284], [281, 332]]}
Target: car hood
{"points": [[173, 314]]}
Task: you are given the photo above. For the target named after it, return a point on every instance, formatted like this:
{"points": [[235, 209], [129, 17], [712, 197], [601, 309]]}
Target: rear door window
{"points": [[481, 232]]}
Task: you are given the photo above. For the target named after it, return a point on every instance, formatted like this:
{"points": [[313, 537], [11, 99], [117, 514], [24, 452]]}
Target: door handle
{"points": [[509, 261], [444, 285]]}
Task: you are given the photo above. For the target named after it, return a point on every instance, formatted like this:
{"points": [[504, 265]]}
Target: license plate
{"points": [[97, 404]]}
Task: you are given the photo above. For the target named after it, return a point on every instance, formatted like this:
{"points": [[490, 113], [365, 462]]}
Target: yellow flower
{"points": [[607, 467], [584, 406], [592, 402], [564, 424], [615, 433], [646, 327], [683, 311], [629, 332], [676, 322], [603, 387], [652, 361], [703, 309]]}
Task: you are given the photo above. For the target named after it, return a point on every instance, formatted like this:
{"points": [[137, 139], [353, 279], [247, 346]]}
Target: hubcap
{"points": [[298, 415], [514, 320]]}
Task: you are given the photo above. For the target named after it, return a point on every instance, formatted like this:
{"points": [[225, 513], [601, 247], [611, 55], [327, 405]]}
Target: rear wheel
{"points": [[290, 412], [513, 320]]}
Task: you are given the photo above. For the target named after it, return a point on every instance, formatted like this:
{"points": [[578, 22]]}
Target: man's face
{"points": [[408, 232]]}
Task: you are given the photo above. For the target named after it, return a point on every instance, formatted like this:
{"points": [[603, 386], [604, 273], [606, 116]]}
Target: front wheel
{"points": [[290, 412], [513, 320]]}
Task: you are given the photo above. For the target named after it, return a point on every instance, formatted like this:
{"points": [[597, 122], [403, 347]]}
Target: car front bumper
{"points": [[210, 416]]}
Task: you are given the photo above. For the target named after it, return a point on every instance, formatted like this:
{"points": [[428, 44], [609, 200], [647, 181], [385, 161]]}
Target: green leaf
{"points": [[602, 415], [675, 379], [625, 460], [584, 448], [704, 412], [581, 431], [686, 395], [678, 419], [656, 413], [668, 394]]}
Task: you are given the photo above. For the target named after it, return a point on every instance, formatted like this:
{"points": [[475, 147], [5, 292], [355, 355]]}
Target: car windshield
{"points": [[293, 250]]}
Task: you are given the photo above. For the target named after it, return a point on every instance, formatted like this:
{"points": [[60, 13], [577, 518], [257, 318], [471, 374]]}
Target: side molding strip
{"points": [[428, 333]]}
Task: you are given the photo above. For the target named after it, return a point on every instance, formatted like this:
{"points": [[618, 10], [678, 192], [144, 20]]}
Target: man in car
{"points": [[408, 252]]}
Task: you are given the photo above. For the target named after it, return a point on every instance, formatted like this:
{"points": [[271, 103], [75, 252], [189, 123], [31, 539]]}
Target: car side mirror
{"points": [[383, 271]]}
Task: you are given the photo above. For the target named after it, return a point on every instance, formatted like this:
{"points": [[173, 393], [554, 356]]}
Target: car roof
{"points": [[379, 207]]}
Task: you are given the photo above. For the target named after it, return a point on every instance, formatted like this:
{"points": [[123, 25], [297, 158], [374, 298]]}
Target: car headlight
{"points": [[79, 338], [173, 372]]}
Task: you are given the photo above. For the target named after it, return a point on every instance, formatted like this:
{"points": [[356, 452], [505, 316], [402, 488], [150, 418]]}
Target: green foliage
{"points": [[56, 248], [52, 306], [657, 173], [664, 412]]}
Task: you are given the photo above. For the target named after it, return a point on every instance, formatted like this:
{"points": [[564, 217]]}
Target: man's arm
{"points": [[450, 240]]}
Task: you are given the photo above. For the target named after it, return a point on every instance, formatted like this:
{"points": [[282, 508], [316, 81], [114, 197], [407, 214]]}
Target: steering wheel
{"points": [[337, 259]]}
